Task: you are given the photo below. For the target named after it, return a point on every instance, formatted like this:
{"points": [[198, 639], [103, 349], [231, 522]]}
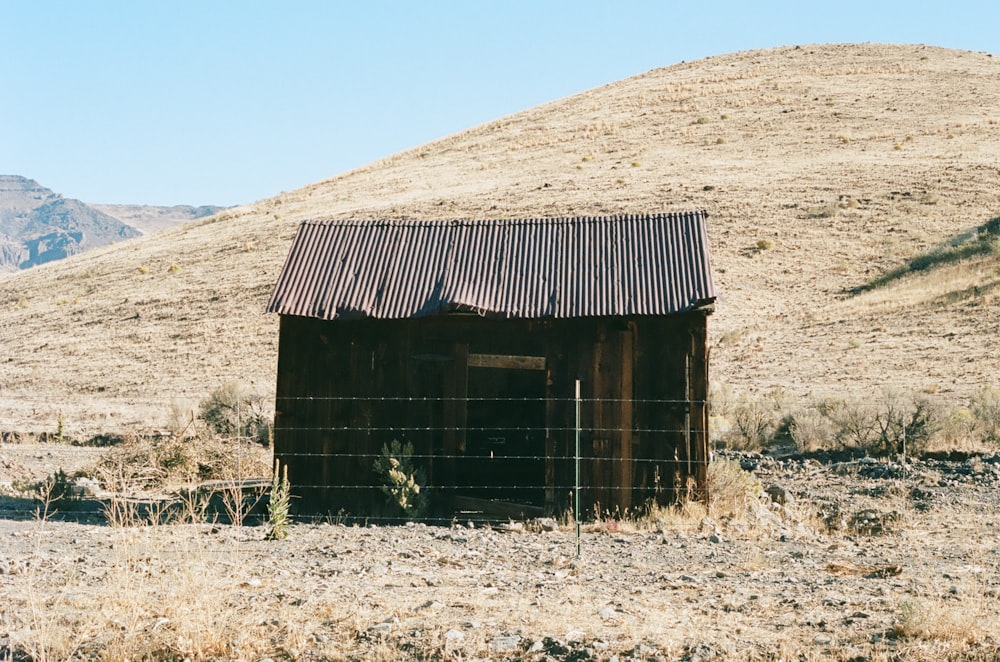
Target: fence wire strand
{"points": [[501, 462]]}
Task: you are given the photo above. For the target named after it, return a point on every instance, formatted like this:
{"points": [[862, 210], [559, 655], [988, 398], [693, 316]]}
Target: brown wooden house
{"points": [[466, 339]]}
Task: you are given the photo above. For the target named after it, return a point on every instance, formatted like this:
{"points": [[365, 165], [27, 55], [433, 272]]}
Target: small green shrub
{"points": [[56, 487], [277, 507], [401, 480], [764, 244]]}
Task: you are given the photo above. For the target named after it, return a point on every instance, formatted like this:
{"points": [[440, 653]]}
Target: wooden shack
{"points": [[466, 339]]}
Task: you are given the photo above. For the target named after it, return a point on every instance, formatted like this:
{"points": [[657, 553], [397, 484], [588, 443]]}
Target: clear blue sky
{"points": [[227, 102]]}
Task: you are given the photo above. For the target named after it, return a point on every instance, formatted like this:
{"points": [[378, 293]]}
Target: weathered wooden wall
{"points": [[346, 388]]}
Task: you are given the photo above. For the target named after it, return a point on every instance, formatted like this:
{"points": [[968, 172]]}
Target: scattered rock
{"points": [[547, 524], [780, 495], [430, 604], [505, 644], [385, 626]]}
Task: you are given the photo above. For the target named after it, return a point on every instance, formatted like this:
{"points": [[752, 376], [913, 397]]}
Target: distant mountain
{"points": [[38, 225], [150, 220]]}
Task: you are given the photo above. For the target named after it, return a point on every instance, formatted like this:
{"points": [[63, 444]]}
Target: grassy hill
{"points": [[825, 169]]}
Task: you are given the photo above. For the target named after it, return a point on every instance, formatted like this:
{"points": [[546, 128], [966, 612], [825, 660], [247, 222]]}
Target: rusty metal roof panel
{"points": [[653, 264]]}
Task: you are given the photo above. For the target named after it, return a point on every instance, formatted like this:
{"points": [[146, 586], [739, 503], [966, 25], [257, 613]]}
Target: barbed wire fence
{"points": [[432, 460]]}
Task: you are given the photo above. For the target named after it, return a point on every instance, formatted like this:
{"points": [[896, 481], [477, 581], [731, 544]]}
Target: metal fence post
{"points": [[576, 515]]}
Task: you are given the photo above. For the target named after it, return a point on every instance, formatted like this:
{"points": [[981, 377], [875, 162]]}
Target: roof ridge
{"points": [[540, 220]]}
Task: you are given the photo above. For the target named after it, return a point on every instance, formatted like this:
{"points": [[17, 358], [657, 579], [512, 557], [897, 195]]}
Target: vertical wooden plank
{"points": [[455, 413], [699, 400], [554, 376], [623, 479], [594, 484]]}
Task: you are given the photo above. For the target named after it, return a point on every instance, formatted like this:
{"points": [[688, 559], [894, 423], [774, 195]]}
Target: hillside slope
{"points": [[149, 219], [822, 168]]}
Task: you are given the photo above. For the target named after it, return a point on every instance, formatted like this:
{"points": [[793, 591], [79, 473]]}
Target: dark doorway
{"points": [[504, 457]]}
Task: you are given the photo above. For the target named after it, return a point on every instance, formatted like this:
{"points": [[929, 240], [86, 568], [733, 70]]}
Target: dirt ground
{"points": [[851, 560]]}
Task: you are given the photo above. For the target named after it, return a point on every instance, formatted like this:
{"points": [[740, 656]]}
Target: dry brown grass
{"points": [[143, 463]]}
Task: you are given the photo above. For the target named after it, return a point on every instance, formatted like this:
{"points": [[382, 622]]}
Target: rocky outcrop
{"points": [[38, 225]]}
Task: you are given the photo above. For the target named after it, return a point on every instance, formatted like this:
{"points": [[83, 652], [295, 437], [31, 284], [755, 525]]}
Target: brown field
{"points": [[823, 169]]}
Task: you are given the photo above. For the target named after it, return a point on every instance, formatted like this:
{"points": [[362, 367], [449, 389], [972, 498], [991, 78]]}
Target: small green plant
{"points": [[764, 244], [56, 487], [277, 507], [173, 268], [701, 120], [401, 480], [143, 269], [636, 164]]}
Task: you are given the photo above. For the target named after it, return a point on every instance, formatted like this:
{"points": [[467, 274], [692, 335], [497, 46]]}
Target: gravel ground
{"points": [[866, 560]]}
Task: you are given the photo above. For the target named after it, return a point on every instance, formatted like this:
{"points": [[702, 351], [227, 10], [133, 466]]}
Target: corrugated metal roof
{"points": [[654, 264]]}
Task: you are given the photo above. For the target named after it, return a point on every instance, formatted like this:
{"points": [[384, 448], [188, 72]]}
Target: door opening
{"points": [[504, 455]]}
